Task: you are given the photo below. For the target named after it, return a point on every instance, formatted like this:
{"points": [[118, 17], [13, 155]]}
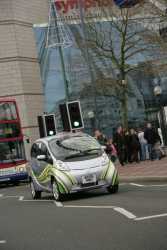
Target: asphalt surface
{"points": [[133, 219]]}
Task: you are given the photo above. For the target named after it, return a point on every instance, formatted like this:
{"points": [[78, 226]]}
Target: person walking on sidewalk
{"points": [[134, 146], [119, 142], [152, 137], [143, 145]]}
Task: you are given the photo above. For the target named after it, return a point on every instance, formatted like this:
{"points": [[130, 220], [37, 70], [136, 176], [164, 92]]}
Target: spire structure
{"points": [[58, 34]]}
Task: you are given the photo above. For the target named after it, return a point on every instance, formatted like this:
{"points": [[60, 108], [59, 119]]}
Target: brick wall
{"points": [[19, 68]]}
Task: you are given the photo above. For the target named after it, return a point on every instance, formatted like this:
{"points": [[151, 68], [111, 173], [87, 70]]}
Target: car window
{"points": [[74, 148], [44, 150], [39, 165], [34, 150]]}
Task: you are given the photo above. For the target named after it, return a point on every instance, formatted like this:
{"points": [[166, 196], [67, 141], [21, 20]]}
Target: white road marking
{"points": [[11, 196], [2, 241], [136, 184], [36, 200], [1, 195], [126, 213], [21, 198], [150, 217], [78, 206], [160, 185], [58, 203]]}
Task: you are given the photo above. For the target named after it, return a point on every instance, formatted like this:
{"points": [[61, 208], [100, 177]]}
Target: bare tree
{"points": [[118, 40]]}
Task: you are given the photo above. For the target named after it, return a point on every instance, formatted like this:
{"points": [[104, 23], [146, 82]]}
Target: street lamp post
{"points": [[158, 94], [91, 116], [88, 59]]}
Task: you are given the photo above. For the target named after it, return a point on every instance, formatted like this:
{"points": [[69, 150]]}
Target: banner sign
{"points": [[126, 3], [65, 6], [69, 9]]}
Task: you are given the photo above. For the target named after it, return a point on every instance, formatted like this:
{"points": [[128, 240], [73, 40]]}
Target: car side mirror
{"points": [[41, 157]]}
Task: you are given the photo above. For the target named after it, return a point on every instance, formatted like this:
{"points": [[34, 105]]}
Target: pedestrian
{"points": [[100, 137], [119, 142], [134, 145], [127, 146], [153, 140], [143, 145], [111, 150]]}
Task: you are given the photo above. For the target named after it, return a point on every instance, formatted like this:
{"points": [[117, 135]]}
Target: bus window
{"points": [[11, 151], [9, 130], [8, 111]]}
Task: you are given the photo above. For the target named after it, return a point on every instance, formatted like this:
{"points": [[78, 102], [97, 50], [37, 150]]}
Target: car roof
{"points": [[62, 136]]}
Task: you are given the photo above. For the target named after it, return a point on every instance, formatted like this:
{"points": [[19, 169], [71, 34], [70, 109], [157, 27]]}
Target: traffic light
{"points": [[47, 125], [75, 115], [64, 117], [71, 116]]}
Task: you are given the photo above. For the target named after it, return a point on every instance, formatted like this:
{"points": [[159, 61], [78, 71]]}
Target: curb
{"points": [[143, 178]]}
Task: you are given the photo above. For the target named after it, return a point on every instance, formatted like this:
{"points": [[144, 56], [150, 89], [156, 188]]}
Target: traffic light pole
{"points": [[88, 59], [61, 53]]}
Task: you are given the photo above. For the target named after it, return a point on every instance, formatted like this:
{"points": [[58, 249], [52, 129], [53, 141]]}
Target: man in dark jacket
{"points": [[152, 137], [119, 142]]}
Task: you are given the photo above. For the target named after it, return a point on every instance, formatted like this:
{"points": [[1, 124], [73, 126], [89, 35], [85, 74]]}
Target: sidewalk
{"points": [[144, 171]]}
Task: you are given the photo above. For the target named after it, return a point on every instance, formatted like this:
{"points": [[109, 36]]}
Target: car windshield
{"points": [[75, 147]]}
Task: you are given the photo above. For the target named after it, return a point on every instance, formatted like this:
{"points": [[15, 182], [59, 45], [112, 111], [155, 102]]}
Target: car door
{"points": [[38, 165], [35, 166], [45, 165]]}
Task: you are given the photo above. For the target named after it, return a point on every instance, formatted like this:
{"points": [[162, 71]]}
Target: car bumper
{"points": [[14, 177], [73, 181], [79, 188]]}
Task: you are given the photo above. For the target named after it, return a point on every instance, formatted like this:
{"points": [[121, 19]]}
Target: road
{"points": [[133, 219]]}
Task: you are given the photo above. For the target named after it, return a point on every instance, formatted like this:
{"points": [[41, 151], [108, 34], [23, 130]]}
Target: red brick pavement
{"points": [[156, 168]]}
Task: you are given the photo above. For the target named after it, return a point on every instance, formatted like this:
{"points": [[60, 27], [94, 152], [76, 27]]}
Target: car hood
{"points": [[79, 165]]}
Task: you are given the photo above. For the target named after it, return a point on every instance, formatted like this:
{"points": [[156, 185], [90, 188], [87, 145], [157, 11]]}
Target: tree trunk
{"points": [[124, 107]]}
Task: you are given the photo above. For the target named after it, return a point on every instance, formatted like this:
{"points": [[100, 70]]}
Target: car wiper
{"points": [[74, 155], [67, 148], [89, 150], [82, 153]]}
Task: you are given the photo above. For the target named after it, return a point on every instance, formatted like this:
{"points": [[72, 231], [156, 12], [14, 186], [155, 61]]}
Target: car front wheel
{"points": [[35, 194], [113, 189], [55, 191]]}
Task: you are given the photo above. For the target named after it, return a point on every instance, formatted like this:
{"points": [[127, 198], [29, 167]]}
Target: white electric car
{"points": [[68, 163]]}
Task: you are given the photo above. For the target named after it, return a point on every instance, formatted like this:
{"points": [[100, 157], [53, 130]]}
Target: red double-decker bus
{"points": [[12, 153]]}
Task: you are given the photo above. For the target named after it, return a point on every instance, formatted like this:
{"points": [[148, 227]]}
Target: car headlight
{"points": [[20, 169], [105, 159], [62, 166]]}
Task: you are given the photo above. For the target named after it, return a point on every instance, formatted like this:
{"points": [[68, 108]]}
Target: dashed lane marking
{"points": [[124, 212], [58, 203], [136, 184], [21, 198], [2, 241]]}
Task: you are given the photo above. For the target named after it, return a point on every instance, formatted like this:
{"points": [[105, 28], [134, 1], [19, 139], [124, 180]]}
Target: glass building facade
{"points": [[142, 104]]}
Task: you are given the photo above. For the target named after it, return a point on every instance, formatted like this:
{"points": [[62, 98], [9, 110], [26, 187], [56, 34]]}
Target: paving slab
{"points": [[144, 171]]}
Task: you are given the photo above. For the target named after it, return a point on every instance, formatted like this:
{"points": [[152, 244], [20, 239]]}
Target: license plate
{"points": [[91, 178]]}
